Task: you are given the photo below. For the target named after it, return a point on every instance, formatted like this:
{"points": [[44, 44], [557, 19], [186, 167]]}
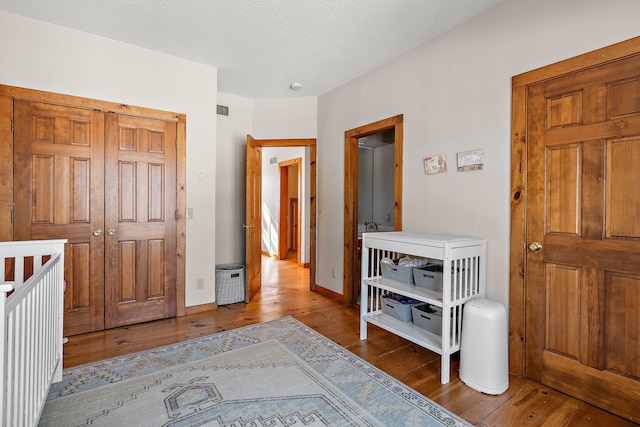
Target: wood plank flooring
{"points": [[285, 293]]}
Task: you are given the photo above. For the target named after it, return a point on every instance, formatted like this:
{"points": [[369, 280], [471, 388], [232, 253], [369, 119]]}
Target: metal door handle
{"points": [[111, 232], [97, 232], [535, 247], [248, 226]]}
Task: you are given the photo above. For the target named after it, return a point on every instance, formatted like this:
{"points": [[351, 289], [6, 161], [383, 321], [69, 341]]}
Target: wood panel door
{"points": [[107, 183], [294, 219], [253, 218], [58, 194], [582, 321], [140, 219]]}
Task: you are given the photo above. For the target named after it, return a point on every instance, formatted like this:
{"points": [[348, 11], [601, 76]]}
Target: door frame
{"points": [[351, 264], [8, 93], [311, 143], [283, 219], [519, 168]]}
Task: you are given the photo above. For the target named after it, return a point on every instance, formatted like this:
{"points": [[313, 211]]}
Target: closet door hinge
{"points": [[177, 214], [12, 124], [12, 216]]}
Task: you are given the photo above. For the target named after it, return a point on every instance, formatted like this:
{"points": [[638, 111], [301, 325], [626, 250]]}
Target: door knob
{"points": [[97, 232], [248, 226], [535, 247], [111, 232]]}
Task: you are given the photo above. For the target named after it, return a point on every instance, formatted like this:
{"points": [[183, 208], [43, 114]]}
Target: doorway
{"points": [[289, 214], [394, 126], [575, 239], [253, 214]]}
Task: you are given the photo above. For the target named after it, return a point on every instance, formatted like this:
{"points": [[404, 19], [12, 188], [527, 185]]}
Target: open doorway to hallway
{"points": [[285, 207], [290, 213], [262, 218]]}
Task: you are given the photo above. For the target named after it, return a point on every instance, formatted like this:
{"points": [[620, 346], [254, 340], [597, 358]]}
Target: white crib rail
{"points": [[31, 325]]}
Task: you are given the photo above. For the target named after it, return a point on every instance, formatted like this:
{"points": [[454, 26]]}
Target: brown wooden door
{"points": [[105, 182], [140, 201], [583, 287], [253, 218], [58, 193], [293, 223]]}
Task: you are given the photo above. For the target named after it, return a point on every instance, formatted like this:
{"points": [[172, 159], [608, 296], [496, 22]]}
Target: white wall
{"points": [[383, 186], [285, 118], [455, 94], [365, 186], [376, 186], [231, 149], [46, 57]]}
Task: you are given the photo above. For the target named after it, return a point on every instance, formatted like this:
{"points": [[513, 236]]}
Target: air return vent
{"points": [[222, 110]]}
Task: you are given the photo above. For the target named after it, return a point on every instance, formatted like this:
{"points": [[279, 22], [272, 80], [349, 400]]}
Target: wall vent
{"points": [[222, 110]]}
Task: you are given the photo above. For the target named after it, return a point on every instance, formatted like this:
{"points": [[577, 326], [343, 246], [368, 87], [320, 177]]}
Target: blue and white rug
{"points": [[278, 373]]}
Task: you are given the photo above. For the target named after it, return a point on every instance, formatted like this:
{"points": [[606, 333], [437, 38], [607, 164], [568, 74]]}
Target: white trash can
{"points": [[484, 348]]}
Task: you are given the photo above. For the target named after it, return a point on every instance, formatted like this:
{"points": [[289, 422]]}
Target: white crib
{"points": [[31, 324]]}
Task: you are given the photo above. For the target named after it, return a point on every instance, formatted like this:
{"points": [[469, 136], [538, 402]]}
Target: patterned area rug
{"points": [[278, 373]]}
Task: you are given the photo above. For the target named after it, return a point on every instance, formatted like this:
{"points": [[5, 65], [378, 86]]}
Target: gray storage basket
{"points": [[398, 273], [230, 283], [426, 317], [398, 306]]}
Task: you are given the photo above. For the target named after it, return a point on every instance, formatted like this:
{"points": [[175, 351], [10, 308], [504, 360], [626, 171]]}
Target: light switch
{"points": [[189, 213]]}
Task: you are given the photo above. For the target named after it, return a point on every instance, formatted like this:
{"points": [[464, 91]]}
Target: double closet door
{"points": [[107, 183]]}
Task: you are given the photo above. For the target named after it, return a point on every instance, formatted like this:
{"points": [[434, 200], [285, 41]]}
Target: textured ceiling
{"points": [[262, 46]]}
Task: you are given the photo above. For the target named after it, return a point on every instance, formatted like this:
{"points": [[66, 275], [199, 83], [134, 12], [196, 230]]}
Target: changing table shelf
{"points": [[465, 257], [411, 291], [406, 330]]}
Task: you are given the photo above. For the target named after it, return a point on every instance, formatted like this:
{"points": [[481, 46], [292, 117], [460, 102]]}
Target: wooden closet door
{"points": [[140, 209], [58, 194], [583, 282]]}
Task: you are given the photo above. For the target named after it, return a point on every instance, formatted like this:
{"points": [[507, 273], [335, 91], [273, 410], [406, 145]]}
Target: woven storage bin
{"points": [[229, 283]]}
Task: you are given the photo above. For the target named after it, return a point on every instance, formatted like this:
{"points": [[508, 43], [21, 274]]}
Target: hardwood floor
{"points": [[285, 293]]}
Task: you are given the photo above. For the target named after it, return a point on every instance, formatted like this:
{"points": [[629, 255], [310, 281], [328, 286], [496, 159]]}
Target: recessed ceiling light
{"points": [[295, 86]]}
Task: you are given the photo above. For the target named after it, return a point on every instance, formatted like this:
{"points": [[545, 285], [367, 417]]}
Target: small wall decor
{"points": [[470, 160], [435, 164]]}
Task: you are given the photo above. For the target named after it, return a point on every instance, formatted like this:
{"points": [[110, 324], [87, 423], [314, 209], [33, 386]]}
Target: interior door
{"points": [[253, 218], [58, 194], [293, 223], [140, 219], [582, 289]]}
